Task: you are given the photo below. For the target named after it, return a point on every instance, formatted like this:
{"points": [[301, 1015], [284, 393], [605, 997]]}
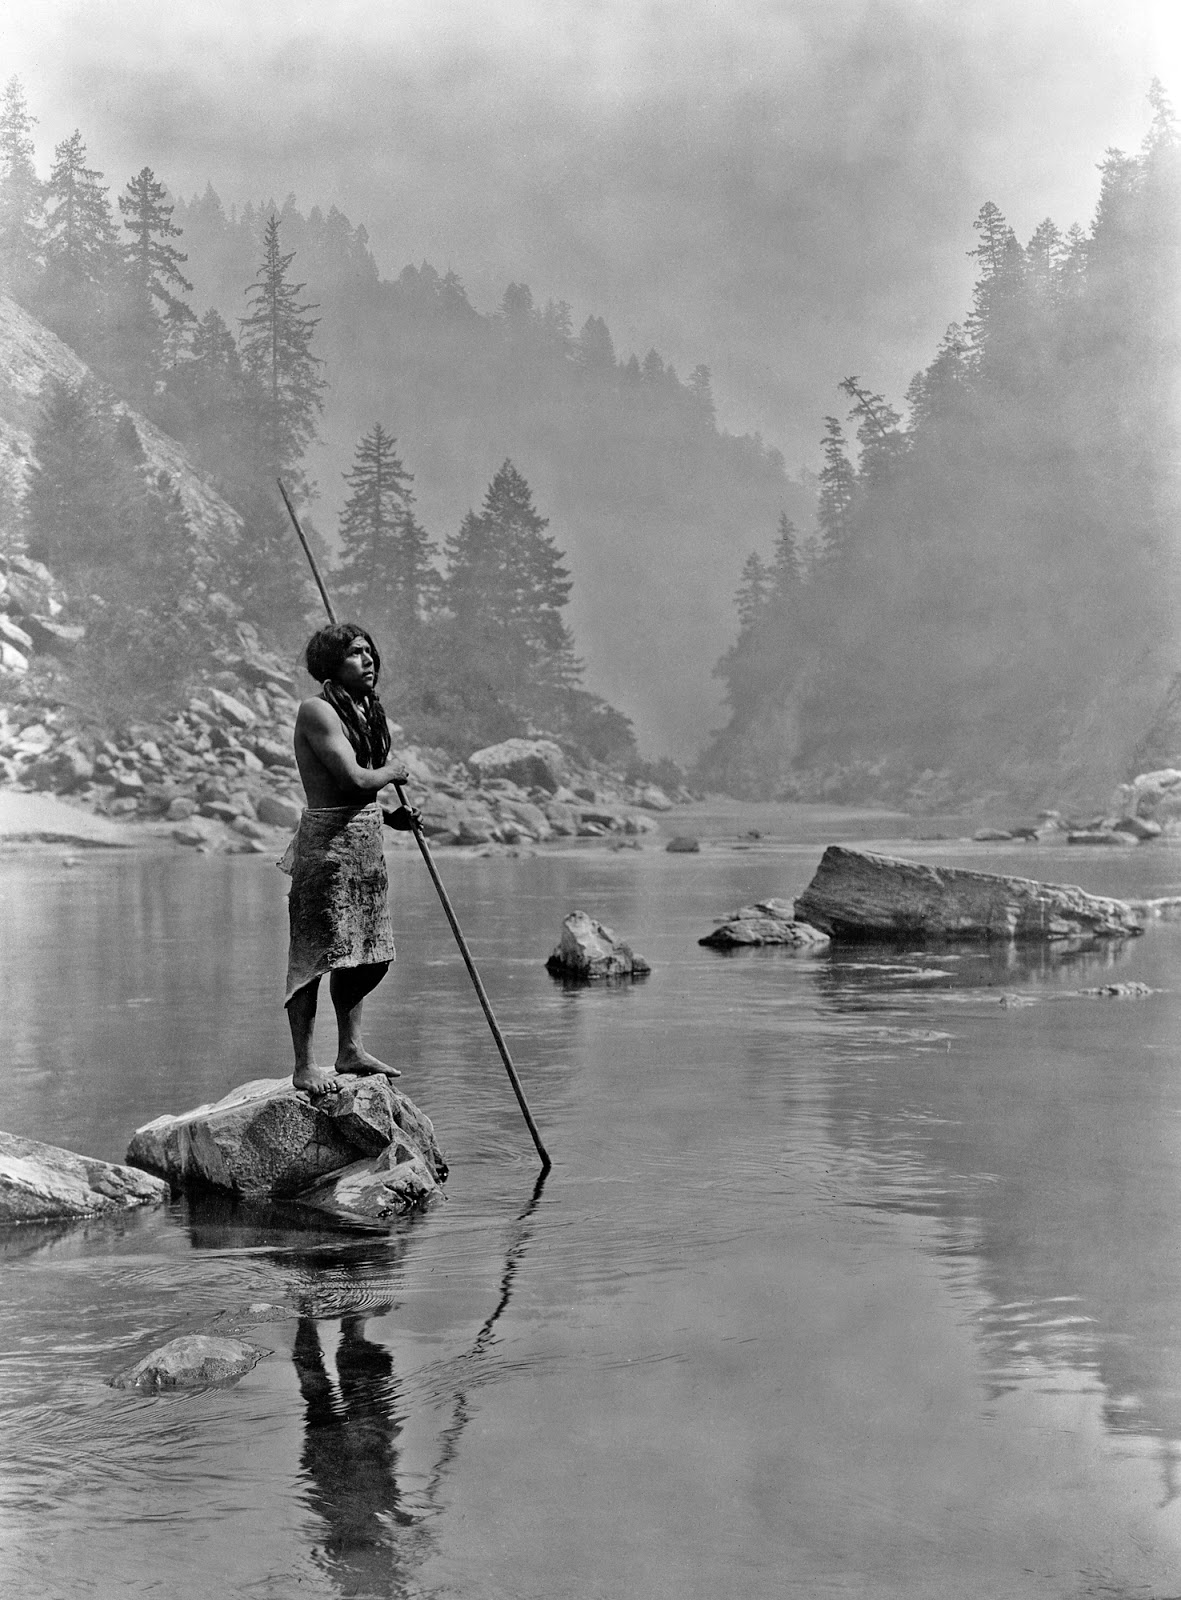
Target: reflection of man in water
{"points": [[350, 1458], [339, 917]]}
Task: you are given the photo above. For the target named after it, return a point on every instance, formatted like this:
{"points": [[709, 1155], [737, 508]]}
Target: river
{"points": [[851, 1277]]}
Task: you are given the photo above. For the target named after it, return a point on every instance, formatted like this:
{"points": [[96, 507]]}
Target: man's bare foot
{"points": [[314, 1081], [360, 1062]]}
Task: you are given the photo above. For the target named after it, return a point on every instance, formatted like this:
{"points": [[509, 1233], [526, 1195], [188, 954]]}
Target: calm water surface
{"points": [[849, 1278]]}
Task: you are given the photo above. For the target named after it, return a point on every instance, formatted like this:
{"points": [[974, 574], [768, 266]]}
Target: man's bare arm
{"points": [[321, 728]]}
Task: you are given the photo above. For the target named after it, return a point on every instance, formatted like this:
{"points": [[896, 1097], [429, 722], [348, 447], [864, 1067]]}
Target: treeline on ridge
{"points": [[251, 393], [991, 607]]}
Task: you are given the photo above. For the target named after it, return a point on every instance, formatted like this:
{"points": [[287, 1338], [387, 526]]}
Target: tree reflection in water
{"points": [[1042, 1139]]}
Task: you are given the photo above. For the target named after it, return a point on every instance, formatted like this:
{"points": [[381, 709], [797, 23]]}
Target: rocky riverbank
{"points": [[219, 773]]}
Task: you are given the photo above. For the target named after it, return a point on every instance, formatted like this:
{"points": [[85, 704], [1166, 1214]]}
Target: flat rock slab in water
{"points": [[767, 922], [857, 895], [269, 1138], [41, 1183], [588, 950], [194, 1361]]}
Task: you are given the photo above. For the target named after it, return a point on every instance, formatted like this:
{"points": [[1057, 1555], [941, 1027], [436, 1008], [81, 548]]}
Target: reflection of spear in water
{"points": [[512, 1261], [438, 883], [373, 1535]]}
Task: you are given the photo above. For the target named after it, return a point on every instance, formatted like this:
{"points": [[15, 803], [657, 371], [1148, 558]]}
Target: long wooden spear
{"points": [[438, 883]]}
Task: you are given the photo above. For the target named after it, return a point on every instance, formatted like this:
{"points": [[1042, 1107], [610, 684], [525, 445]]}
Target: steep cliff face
{"points": [[29, 356]]}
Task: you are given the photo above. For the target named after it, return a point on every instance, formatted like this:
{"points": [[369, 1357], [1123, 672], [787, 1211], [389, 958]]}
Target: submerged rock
{"points": [[857, 894], [683, 845], [40, 1183], [766, 922], [269, 1138], [588, 950], [194, 1361]]}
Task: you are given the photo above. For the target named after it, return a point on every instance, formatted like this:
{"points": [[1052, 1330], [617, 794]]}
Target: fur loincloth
{"points": [[338, 903]]}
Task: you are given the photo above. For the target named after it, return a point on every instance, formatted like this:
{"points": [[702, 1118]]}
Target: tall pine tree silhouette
{"points": [[22, 205], [81, 245], [277, 359], [386, 574], [506, 587]]}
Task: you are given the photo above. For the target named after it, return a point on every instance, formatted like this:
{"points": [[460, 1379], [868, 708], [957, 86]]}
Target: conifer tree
{"points": [[557, 325], [77, 505], [81, 246], [754, 590], [506, 587], [1044, 254], [786, 572], [701, 388], [938, 394], [147, 325], [21, 196], [153, 263], [1002, 262], [279, 366], [837, 485], [207, 386], [595, 349], [385, 561], [882, 443]]}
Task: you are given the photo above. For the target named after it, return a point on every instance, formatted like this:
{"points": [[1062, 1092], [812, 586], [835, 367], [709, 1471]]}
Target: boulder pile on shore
{"points": [[219, 771], [1147, 808], [859, 895]]}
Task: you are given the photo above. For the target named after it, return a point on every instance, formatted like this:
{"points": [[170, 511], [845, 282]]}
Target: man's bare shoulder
{"points": [[316, 713]]}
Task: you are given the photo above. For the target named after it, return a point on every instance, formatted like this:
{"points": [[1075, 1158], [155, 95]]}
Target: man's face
{"points": [[356, 673]]}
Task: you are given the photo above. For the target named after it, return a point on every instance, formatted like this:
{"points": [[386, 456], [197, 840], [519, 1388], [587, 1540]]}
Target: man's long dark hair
{"points": [[363, 721]]}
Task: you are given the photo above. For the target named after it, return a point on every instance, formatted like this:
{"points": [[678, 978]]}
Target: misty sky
{"points": [[783, 191]]}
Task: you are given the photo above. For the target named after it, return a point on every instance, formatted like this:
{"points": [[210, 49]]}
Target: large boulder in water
{"points": [[588, 950], [269, 1138], [42, 1183], [858, 894]]}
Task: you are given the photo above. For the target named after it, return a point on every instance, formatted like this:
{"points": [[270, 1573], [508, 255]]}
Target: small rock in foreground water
{"points": [[194, 1361]]}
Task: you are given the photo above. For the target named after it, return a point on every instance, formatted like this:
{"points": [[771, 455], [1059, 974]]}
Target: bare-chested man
{"points": [[340, 920]]}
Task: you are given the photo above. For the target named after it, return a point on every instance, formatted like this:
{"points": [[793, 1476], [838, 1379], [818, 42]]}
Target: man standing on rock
{"points": [[340, 922]]}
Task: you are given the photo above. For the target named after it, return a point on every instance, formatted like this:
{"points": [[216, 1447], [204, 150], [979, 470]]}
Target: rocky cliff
{"points": [[30, 355]]}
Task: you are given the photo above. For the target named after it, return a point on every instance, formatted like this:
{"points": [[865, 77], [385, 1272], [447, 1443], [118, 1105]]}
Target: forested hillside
{"points": [[653, 504], [993, 606], [268, 344]]}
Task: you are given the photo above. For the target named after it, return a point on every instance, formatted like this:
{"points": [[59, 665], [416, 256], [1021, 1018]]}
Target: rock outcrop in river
{"points": [[589, 950], [857, 894], [366, 1152], [42, 1183]]}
